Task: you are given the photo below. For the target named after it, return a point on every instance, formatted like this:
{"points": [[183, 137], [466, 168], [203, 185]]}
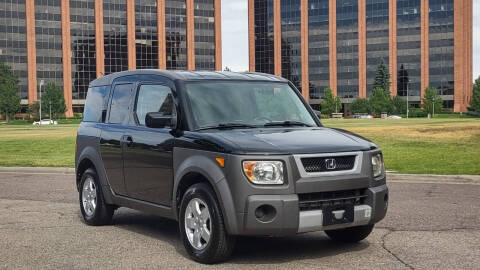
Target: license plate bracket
{"points": [[338, 214]]}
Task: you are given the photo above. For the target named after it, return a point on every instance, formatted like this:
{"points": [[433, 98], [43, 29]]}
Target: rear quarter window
{"points": [[94, 104]]}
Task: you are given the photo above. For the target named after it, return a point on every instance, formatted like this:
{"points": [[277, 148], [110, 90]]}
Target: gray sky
{"points": [[235, 35]]}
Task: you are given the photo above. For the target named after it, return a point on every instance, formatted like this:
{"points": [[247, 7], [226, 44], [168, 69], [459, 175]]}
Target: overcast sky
{"points": [[235, 35]]}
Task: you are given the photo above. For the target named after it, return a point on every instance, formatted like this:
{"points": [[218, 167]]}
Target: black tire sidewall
{"points": [[205, 193], [95, 218]]}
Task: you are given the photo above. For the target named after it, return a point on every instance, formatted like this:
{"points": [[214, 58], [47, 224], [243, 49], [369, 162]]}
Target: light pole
{"points": [[408, 82], [433, 111], [41, 84], [50, 105]]}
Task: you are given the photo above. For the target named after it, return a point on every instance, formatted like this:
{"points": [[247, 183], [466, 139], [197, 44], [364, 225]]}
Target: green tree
{"points": [[380, 102], [399, 105], [382, 78], [360, 105], [9, 98], [53, 96], [33, 110], [432, 100], [330, 103], [475, 102]]}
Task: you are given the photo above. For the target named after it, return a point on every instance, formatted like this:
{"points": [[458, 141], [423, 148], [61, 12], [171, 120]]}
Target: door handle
{"points": [[128, 140]]}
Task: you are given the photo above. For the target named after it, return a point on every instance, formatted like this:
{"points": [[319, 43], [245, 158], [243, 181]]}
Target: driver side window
{"points": [[153, 98]]}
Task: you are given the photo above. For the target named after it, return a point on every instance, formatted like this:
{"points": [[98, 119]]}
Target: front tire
{"points": [[350, 235], [94, 210], [202, 228]]}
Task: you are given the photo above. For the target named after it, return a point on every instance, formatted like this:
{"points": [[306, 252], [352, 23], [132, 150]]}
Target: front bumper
{"points": [[283, 216]]}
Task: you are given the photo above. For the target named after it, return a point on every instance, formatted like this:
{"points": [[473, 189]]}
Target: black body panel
{"points": [[148, 164]]}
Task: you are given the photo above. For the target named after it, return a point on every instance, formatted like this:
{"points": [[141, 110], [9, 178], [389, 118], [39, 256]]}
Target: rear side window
{"points": [[120, 103], [94, 104], [153, 98]]}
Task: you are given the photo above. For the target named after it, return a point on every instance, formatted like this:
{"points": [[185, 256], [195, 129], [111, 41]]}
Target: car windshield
{"points": [[246, 104]]}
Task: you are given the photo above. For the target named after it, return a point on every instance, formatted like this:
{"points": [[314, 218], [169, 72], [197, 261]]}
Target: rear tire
{"points": [[94, 210], [202, 228], [350, 235]]}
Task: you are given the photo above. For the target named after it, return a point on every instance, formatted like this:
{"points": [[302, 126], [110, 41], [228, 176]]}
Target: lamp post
{"points": [[408, 82], [41, 84], [433, 111]]}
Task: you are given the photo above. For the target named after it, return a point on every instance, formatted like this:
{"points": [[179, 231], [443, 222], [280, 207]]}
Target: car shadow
{"points": [[248, 250]]}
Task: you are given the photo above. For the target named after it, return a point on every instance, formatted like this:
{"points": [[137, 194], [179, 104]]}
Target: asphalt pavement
{"points": [[432, 223]]}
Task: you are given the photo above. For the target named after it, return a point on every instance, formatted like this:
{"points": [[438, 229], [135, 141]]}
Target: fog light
{"points": [[265, 213]]}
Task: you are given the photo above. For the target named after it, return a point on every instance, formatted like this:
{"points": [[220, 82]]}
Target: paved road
{"points": [[429, 226]]}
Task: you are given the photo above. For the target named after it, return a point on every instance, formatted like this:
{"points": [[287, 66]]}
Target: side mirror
{"points": [[318, 113], [159, 120]]}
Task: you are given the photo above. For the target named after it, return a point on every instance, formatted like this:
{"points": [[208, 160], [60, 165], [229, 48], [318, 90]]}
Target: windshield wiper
{"points": [[287, 123], [227, 126]]}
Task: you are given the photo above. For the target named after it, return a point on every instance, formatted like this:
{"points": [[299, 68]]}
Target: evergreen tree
{"points": [[9, 97], [432, 100], [475, 102], [53, 98], [330, 103], [382, 78]]}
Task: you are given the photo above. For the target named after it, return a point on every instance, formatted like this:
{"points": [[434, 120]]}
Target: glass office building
{"points": [[340, 43], [72, 42]]}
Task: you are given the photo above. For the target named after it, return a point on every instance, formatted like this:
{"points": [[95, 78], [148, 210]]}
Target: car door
{"points": [[111, 145], [148, 160]]}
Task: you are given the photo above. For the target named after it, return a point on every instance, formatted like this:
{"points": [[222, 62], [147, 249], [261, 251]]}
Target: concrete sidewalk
{"points": [[396, 177]]}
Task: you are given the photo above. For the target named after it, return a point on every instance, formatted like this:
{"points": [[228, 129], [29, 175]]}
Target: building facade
{"points": [[339, 44], [72, 42]]}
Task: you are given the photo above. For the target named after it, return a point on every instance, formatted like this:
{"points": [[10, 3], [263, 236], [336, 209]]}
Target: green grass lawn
{"points": [[37, 146], [436, 146]]}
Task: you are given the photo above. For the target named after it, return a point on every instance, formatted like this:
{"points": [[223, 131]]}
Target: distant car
{"points": [[394, 117], [45, 122], [363, 116]]}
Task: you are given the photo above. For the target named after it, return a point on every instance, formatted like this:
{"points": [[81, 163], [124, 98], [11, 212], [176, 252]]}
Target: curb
{"points": [[60, 170], [463, 179]]}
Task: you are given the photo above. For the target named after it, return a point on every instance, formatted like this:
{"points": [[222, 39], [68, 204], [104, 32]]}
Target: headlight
{"points": [[377, 165], [264, 172]]}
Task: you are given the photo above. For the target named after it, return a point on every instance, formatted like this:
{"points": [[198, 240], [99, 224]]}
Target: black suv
{"points": [[225, 154]]}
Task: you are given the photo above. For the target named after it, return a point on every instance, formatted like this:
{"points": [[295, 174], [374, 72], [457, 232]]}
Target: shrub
{"points": [[360, 105], [475, 102], [431, 101], [399, 105], [330, 103], [380, 102], [417, 112]]}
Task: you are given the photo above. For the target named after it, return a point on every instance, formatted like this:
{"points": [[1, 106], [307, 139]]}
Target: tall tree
{"points": [[475, 102], [432, 102], [53, 98], [382, 78], [9, 98], [330, 103], [380, 101]]}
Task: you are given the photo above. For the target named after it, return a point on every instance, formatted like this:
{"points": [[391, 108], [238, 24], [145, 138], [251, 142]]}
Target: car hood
{"points": [[288, 140]]}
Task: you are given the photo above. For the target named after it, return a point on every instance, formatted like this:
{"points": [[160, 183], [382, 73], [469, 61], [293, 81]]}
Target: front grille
{"points": [[321, 200], [324, 164]]}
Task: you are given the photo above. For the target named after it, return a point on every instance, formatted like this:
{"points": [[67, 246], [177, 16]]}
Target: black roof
{"points": [[190, 76]]}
